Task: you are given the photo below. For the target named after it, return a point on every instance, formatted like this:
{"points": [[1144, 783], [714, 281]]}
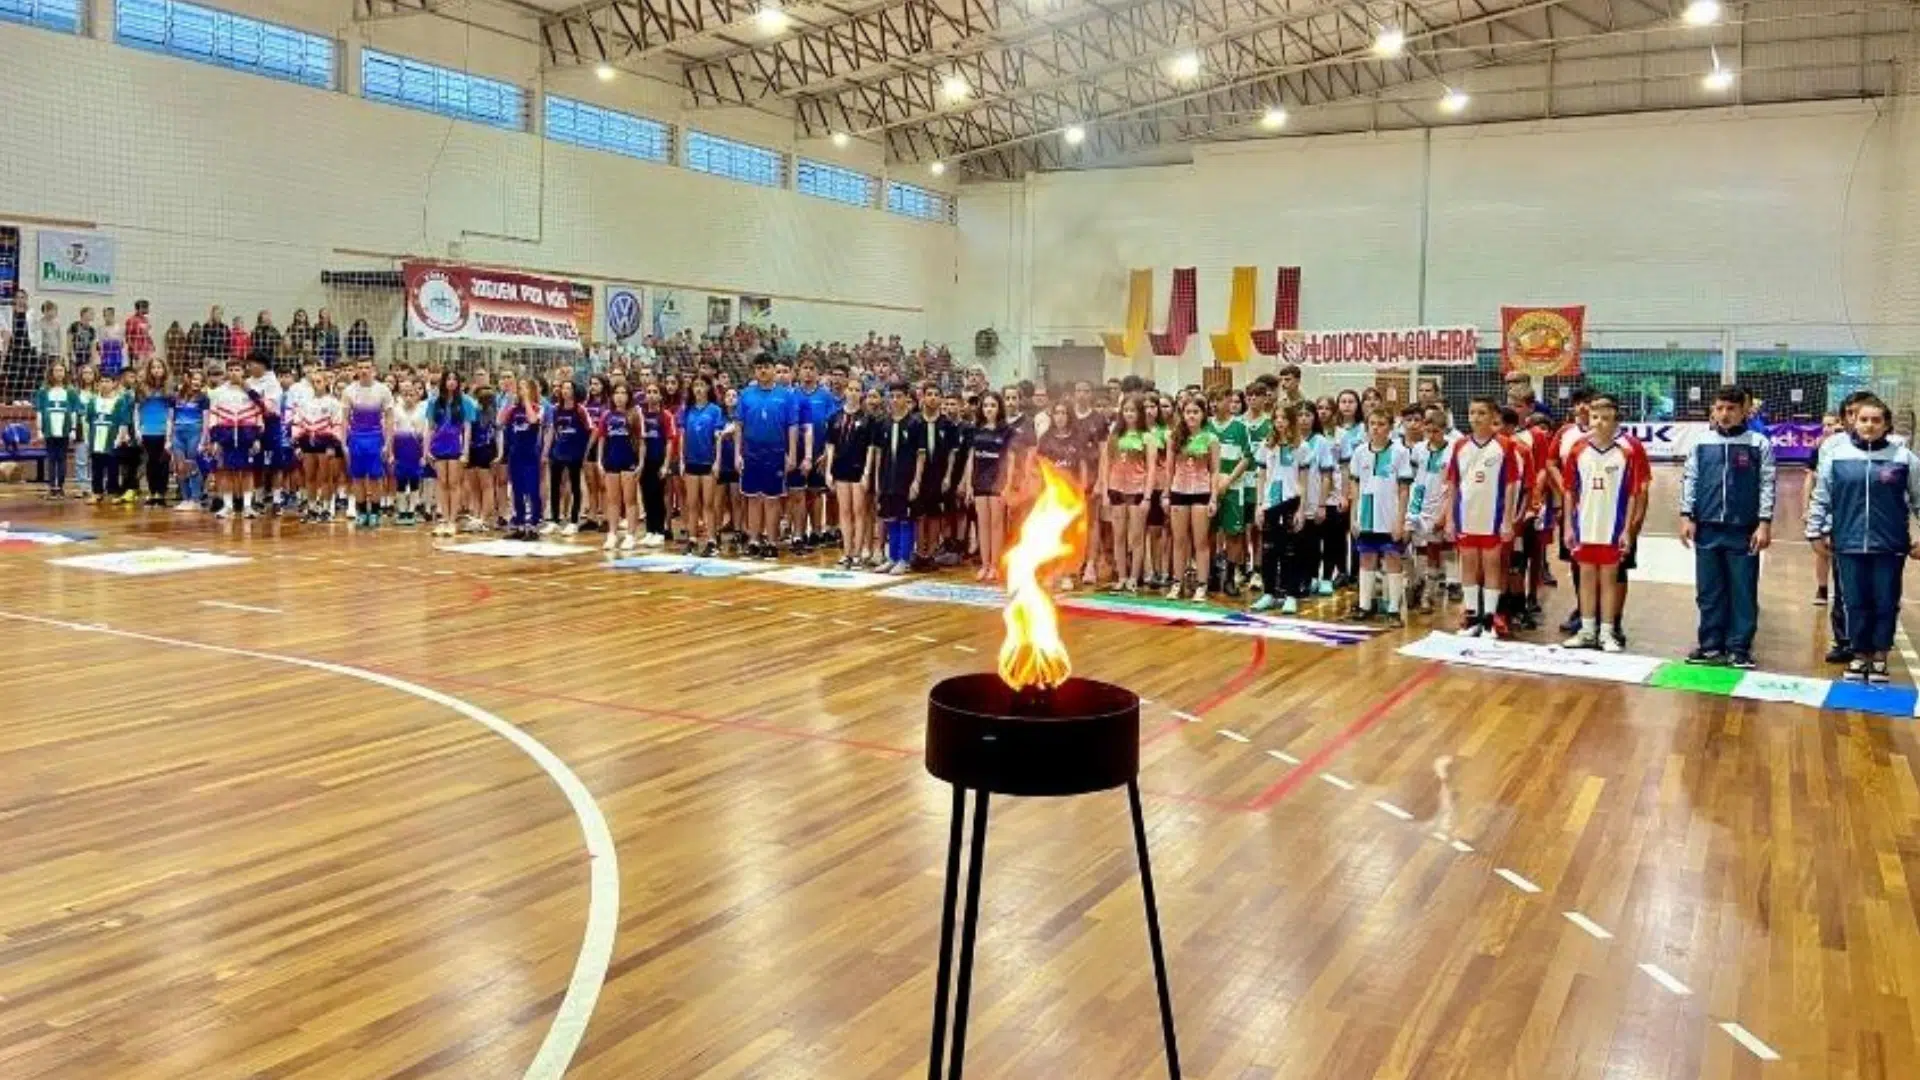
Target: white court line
{"points": [[596, 588], [1338, 781], [885, 630], [1462, 847], [1659, 974], [240, 607], [443, 573], [1229, 733], [569, 1025], [721, 603], [1402, 814], [763, 610], [966, 648], [841, 622], [802, 615], [1588, 925], [923, 637], [1516, 880], [1282, 755], [1184, 716], [1749, 1040]]}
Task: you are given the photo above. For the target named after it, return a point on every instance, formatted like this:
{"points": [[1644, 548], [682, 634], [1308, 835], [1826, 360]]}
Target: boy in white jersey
{"points": [[1478, 511], [1380, 474], [1551, 493], [1606, 477], [1427, 452]]}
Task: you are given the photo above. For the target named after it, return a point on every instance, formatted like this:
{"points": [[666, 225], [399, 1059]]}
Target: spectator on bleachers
{"points": [[175, 344], [49, 338], [215, 341], [359, 342], [326, 339]]}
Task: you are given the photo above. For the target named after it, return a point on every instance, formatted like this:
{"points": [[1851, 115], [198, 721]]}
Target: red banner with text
{"points": [[1541, 342], [497, 307], [1426, 346]]}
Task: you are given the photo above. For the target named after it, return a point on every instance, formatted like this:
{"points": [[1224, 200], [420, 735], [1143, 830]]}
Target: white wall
{"points": [[230, 188], [1672, 224]]}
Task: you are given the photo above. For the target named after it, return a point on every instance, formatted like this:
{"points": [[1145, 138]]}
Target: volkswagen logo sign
{"points": [[623, 314]]}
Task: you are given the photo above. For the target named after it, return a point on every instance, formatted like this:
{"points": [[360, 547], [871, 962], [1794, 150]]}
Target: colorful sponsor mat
{"points": [[149, 561], [12, 539], [823, 578], [941, 592], [1901, 701], [690, 565], [515, 549]]}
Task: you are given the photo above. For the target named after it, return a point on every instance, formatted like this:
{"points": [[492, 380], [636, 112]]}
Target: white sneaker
{"points": [[653, 540], [570, 529], [186, 506], [1261, 604], [1199, 594], [1174, 594], [627, 542], [613, 542], [1290, 607], [898, 569], [548, 528], [1584, 640], [1609, 643], [223, 513], [1473, 631]]}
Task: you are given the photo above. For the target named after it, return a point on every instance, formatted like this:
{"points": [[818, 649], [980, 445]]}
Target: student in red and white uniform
{"points": [[1606, 477], [235, 419], [1482, 501], [318, 422], [1528, 542], [1554, 497]]}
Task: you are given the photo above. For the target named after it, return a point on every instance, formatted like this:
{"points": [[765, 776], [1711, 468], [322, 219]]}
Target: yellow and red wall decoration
{"points": [[1241, 340]]}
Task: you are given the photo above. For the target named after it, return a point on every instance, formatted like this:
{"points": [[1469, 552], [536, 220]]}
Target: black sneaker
{"points": [[1619, 636], [710, 550], [1454, 593], [1820, 596], [1856, 670], [1878, 674], [1741, 660], [1839, 654], [1359, 614], [1711, 657]]}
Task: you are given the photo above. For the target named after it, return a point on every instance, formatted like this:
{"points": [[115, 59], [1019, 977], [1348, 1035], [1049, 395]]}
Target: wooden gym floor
{"points": [[326, 854]]}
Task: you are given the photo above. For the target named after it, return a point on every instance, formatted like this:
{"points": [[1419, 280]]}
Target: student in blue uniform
{"points": [[816, 406], [56, 413], [521, 433], [450, 426], [698, 448], [983, 480], [726, 469], [1726, 515], [188, 422], [769, 449], [849, 465], [1867, 490], [899, 474], [568, 429], [658, 435], [483, 450], [613, 445], [152, 420]]}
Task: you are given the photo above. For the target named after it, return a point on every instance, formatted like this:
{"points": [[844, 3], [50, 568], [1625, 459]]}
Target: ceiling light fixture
{"points": [[1453, 102], [771, 20], [841, 140], [1185, 66], [1274, 118], [954, 88], [1389, 41], [1720, 79], [1075, 135], [1701, 13], [937, 168], [605, 71]]}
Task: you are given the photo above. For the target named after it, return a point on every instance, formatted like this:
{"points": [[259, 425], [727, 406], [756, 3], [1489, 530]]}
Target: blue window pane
{"points": [[596, 128], [52, 14], [735, 160], [416, 85], [833, 182], [916, 202], [221, 37]]}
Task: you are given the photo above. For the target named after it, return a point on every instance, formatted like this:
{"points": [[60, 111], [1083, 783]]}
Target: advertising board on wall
{"points": [[1427, 346], [463, 303], [75, 262], [624, 311]]}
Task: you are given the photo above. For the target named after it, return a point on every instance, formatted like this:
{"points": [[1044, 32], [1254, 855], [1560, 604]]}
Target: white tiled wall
{"points": [[230, 188], [1769, 219]]}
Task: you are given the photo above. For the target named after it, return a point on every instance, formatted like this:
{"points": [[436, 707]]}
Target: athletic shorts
{"points": [[480, 456], [796, 480], [366, 456], [816, 479], [1188, 498], [1479, 542], [1230, 518], [235, 447], [1373, 543], [763, 472], [726, 476], [1124, 498], [699, 468]]}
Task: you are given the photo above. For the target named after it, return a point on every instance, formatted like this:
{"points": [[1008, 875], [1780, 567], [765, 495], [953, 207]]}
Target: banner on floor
{"points": [[75, 262], [688, 565], [823, 578], [514, 549], [624, 314], [940, 592], [1427, 346], [1541, 341], [464, 303], [1533, 659], [20, 539], [148, 561]]}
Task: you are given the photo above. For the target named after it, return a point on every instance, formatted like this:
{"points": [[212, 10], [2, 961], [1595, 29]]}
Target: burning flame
{"points": [[1032, 656]]}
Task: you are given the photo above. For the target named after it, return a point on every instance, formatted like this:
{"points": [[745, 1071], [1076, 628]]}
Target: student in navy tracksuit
{"points": [[1726, 514], [1865, 492]]}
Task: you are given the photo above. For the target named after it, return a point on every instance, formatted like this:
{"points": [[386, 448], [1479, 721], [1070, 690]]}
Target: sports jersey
{"points": [[268, 387], [1282, 468], [150, 416], [1378, 475], [139, 336], [1429, 469], [766, 414], [816, 408], [1481, 476], [189, 417], [987, 449], [1317, 461], [108, 416], [58, 408], [1601, 483], [1127, 463], [1234, 445], [1258, 429], [1191, 473], [231, 407], [699, 426], [366, 405], [570, 431], [317, 417]]}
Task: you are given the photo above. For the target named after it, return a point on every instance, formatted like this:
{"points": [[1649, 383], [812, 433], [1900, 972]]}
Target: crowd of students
{"points": [[1195, 494]]}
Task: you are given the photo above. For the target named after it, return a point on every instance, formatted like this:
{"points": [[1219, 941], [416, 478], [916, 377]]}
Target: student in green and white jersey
{"points": [[56, 416], [1259, 420], [1236, 461], [1428, 444], [105, 425]]}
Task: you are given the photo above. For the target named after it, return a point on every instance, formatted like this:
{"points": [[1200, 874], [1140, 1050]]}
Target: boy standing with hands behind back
{"points": [[1726, 516]]}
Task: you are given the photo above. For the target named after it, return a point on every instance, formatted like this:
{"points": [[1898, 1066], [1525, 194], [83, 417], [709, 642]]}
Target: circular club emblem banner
{"points": [[440, 302], [1541, 342]]}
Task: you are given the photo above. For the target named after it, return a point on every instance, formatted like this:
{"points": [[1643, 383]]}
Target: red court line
{"points": [[1316, 761], [1228, 691]]}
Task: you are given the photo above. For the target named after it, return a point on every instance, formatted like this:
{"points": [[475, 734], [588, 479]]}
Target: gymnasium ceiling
{"points": [[1123, 72]]}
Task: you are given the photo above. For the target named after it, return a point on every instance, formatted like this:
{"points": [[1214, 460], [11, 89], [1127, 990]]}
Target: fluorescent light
{"points": [[1185, 66], [1274, 118], [1453, 102], [1075, 135], [605, 71], [1702, 13], [1389, 41], [953, 87], [771, 20], [937, 168], [841, 140], [1719, 80]]}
